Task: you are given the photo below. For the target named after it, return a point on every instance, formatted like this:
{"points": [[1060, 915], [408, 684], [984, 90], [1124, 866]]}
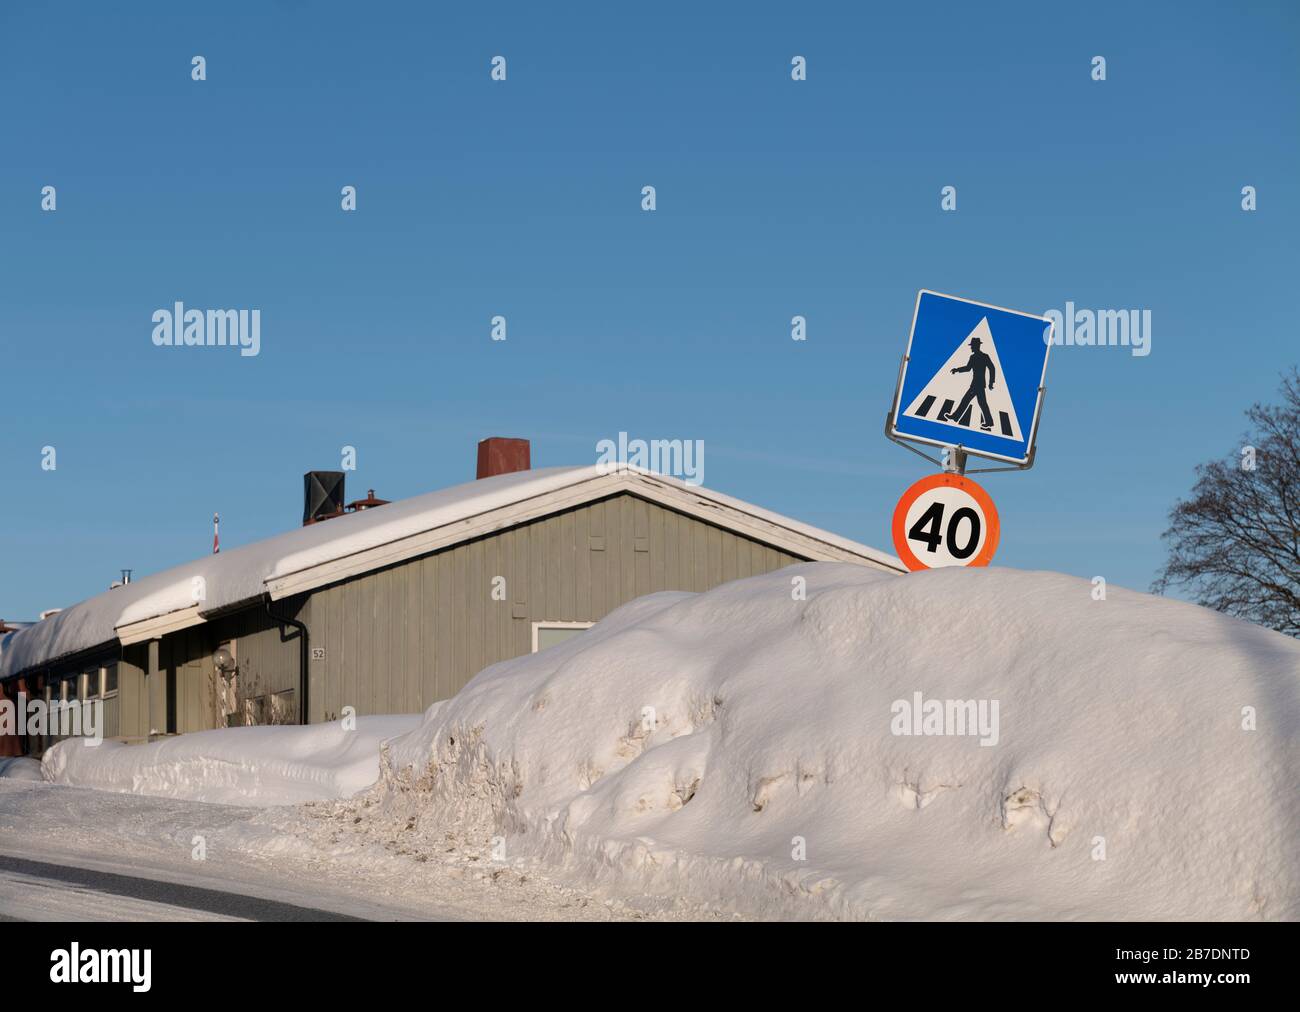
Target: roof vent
{"points": [[322, 495], [500, 455], [369, 502]]}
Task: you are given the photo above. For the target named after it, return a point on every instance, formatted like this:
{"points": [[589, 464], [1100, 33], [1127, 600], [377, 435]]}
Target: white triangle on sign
{"points": [[943, 395]]}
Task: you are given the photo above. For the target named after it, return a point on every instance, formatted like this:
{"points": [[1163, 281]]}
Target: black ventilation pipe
{"points": [[303, 656]]}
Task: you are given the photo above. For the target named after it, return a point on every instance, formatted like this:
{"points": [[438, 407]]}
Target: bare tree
{"points": [[1235, 543]]}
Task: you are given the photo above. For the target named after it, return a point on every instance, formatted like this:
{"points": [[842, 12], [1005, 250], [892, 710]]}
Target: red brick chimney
{"points": [[500, 455]]}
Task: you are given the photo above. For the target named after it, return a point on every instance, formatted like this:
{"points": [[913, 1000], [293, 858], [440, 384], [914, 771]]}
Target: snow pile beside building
{"points": [[260, 766], [748, 748]]}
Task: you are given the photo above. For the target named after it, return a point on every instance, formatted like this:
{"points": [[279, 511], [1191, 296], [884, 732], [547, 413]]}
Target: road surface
{"points": [[44, 891]]}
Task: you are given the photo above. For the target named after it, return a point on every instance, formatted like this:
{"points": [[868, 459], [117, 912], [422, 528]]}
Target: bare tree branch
{"points": [[1235, 542]]}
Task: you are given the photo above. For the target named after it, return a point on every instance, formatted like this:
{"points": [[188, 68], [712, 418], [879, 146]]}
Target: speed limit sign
{"points": [[945, 520]]}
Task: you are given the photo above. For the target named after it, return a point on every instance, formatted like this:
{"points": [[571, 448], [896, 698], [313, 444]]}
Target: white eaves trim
{"points": [[721, 511], [155, 628]]}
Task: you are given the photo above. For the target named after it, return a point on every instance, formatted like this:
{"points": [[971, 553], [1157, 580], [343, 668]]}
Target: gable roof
{"points": [[320, 554]]}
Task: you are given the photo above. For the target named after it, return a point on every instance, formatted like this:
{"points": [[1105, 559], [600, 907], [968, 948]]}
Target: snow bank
{"points": [[260, 766], [739, 747]]}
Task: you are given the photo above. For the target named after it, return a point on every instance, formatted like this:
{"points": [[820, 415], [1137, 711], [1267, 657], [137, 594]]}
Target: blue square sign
{"points": [[972, 377]]}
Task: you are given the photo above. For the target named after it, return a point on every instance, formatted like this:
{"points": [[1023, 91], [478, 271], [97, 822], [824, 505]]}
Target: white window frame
{"points": [[103, 683], [557, 625]]}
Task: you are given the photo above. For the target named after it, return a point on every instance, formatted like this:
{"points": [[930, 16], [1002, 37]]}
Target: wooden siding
{"points": [[180, 665], [400, 638], [132, 694], [266, 656]]}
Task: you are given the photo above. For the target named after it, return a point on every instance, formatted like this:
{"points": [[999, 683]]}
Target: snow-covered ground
{"points": [[257, 766], [299, 856], [742, 752]]}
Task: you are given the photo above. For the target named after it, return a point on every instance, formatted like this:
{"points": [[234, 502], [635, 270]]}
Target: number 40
{"points": [[929, 524]]}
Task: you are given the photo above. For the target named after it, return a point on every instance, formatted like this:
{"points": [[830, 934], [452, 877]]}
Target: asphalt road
{"points": [[42, 891]]}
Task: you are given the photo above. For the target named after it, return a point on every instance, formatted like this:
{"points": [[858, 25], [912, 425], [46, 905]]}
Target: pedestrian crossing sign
{"points": [[972, 376]]}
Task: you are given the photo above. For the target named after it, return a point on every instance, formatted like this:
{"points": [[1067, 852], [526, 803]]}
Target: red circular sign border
{"points": [[916, 490]]}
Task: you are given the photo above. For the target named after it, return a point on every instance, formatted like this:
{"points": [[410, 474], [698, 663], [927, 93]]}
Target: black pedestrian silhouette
{"points": [[976, 366]]}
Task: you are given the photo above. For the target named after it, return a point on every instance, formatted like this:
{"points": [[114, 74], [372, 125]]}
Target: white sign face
{"points": [[956, 396], [945, 520], [946, 527]]}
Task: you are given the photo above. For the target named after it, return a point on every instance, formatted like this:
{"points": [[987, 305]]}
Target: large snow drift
{"points": [[739, 750], [259, 766], [738, 747]]}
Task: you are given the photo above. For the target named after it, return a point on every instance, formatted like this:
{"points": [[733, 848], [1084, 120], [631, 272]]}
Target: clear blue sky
{"points": [[522, 198]]}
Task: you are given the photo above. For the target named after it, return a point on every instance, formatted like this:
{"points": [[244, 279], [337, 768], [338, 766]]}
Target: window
{"points": [[548, 634], [108, 675], [70, 688], [270, 708]]}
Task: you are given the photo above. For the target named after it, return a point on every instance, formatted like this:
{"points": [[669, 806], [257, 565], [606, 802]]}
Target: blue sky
{"points": [[522, 198]]}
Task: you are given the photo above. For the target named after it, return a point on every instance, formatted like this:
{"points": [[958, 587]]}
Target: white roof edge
{"points": [[777, 519], [129, 633], [801, 539], [304, 559]]}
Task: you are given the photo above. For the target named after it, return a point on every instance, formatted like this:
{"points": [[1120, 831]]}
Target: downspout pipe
{"points": [[303, 655]]}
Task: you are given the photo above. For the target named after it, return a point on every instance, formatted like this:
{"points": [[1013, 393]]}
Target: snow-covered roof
{"points": [[312, 556]]}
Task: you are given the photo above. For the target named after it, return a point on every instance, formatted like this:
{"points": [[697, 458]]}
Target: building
{"points": [[9, 744], [388, 607]]}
